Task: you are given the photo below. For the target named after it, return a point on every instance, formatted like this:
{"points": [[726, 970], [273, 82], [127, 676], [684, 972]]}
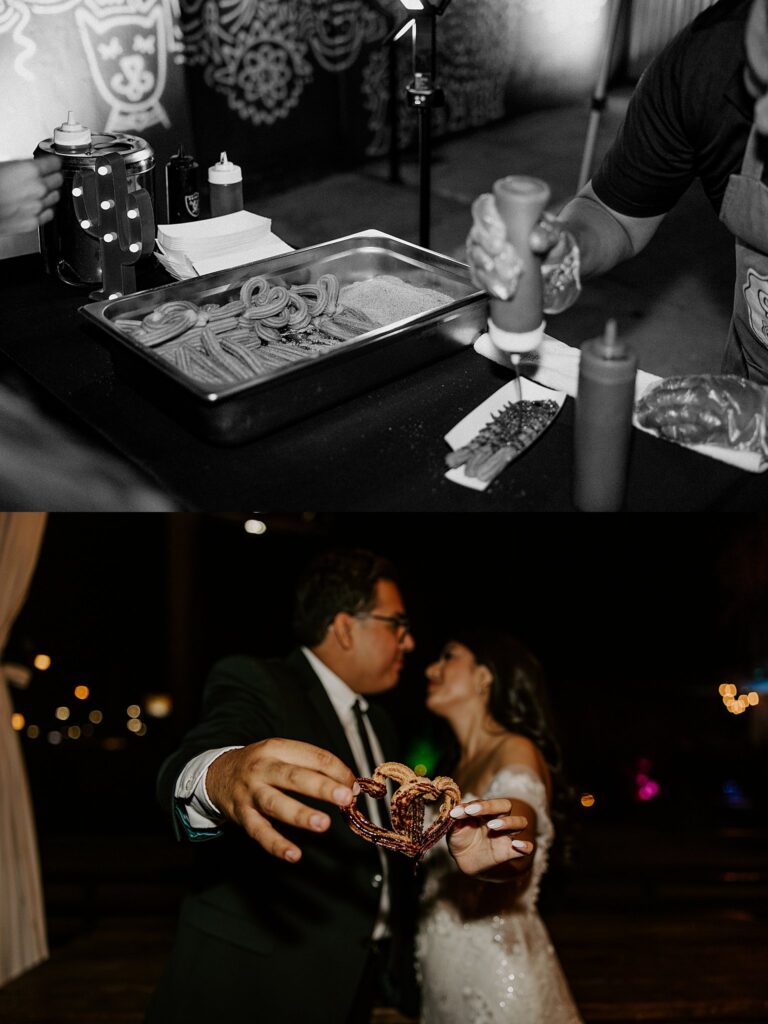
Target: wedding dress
{"points": [[482, 956]]}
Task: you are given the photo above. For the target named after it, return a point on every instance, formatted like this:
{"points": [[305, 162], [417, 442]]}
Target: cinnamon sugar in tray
{"points": [[386, 299]]}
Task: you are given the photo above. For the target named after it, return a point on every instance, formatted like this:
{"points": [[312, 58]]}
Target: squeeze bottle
{"points": [[603, 423], [517, 324], [182, 188], [226, 187]]}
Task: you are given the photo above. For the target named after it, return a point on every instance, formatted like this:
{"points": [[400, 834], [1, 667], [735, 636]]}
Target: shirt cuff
{"points": [[198, 815]]}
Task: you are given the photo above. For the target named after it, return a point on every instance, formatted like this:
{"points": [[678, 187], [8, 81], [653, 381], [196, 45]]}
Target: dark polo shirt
{"points": [[689, 118]]}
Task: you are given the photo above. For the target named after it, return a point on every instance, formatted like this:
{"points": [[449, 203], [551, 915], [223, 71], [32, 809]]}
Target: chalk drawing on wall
{"points": [[251, 53], [337, 31], [126, 46], [127, 60]]}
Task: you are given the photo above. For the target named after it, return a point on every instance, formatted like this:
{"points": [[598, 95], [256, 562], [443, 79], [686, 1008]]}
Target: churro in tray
{"points": [[269, 325]]}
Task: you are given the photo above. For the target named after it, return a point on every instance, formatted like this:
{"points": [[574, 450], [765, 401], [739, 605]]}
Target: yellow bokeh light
{"points": [[255, 526], [17, 721], [587, 800], [158, 705], [95, 716], [753, 698], [42, 662], [744, 700], [62, 714], [722, 688], [133, 724], [731, 691], [142, 731], [82, 692], [33, 732], [420, 769], [133, 710], [73, 732]]}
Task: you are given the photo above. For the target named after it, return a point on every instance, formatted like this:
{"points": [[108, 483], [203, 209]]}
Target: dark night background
{"points": [[636, 622]]}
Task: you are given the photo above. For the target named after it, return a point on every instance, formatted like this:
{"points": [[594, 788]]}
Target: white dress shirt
{"points": [[202, 814]]}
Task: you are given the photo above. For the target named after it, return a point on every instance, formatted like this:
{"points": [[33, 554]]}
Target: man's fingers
{"points": [[294, 753], [276, 804], [543, 237], [260, 830]]}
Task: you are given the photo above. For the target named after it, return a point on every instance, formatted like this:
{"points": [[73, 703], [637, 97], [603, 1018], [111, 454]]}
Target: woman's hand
{"points": [[29, 189], [486, 840]]}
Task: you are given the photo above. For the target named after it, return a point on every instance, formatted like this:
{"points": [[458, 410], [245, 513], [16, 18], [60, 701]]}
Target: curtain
{"points": [[23, 942]]}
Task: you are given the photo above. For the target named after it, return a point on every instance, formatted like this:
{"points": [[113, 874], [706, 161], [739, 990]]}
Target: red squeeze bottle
{"points": [[517, 324]]}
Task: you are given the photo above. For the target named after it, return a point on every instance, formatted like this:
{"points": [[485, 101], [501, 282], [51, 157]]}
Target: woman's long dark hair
{"points": [[518, 700]]}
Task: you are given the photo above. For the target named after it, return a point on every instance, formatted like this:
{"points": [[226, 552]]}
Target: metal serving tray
{"points": [[236, 412]]}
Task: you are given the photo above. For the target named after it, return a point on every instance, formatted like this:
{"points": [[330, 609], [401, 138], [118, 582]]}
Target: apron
{"points": [[745, 213]]}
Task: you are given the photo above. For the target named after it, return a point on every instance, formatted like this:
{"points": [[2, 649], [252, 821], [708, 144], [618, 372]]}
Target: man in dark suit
{"points": [[299, 923]]}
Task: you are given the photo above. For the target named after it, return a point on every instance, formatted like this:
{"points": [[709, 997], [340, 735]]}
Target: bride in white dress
{"points": [[483, 953]]}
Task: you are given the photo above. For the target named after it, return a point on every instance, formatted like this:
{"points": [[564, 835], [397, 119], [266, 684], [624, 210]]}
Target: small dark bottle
{"points": [[182, 188], [603, 426], [225, 180]]}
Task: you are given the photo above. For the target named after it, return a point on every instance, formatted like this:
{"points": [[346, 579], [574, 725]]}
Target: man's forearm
{"points": [[602, 241]]}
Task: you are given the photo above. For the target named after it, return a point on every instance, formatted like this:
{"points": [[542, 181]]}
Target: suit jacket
{"points": [[262, 940]]}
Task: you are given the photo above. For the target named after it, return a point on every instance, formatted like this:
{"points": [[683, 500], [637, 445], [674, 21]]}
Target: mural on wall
{"points": [[263, 56], [117, 65]]}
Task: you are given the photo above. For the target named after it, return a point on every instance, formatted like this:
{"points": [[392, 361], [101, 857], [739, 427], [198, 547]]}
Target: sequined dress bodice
{"points": [[484, 956]]}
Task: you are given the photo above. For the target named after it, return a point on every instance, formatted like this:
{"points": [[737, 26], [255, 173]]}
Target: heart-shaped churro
{"points": [[407, 834]]}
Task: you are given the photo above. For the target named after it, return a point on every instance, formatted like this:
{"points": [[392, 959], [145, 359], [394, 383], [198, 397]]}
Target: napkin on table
{"points": [[199, 247], [460, 435], [556, 365]]}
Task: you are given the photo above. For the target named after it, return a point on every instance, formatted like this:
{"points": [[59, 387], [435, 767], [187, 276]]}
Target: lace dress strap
{"points": [[522, 783]]}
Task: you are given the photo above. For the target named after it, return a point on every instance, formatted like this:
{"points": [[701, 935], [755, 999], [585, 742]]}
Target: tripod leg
{"points": [[600, 93], [425, 162]]}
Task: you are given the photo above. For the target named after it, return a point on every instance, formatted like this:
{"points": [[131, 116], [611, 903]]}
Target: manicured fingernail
{"points": [[458, 812], [356, 789], [292, 855], [318, 822], [472, 808], [520, 844], [343, 796], [496, 823]]}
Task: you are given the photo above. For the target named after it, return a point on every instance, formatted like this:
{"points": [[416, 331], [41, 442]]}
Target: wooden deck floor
{"points": [[669, 929]]}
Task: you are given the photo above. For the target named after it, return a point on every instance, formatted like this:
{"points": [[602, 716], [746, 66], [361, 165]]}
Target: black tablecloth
{"points": [[381, 451]]}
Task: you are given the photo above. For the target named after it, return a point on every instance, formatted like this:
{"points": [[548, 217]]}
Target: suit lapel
{"points": [[337, 741]]}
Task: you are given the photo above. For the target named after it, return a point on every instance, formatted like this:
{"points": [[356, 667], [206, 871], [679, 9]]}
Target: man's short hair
{"points": [[336, 581]]}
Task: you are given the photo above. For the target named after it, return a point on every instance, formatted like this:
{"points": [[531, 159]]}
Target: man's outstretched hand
{"points": [[251, 787]]}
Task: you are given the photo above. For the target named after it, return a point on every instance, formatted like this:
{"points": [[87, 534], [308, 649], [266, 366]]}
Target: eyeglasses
{"points": [[400, 624]]}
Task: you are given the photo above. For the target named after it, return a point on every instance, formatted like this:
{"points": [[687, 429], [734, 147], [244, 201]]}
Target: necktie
{"points": [[382, 806], [364, 738]]}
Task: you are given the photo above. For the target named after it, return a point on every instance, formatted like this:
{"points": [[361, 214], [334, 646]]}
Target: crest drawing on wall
{"points": [[126, 46], [127, 59]]}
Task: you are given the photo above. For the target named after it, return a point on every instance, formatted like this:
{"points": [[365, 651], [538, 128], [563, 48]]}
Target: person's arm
{"points": [[29, 189], [604, 236], [247, 784]]}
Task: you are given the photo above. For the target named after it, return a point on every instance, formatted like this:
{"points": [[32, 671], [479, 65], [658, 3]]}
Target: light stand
{"points": [[423, 94], [597, 105]]}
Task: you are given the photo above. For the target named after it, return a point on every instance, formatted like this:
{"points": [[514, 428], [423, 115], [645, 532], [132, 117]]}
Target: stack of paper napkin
{"points": [[202, 246]]}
